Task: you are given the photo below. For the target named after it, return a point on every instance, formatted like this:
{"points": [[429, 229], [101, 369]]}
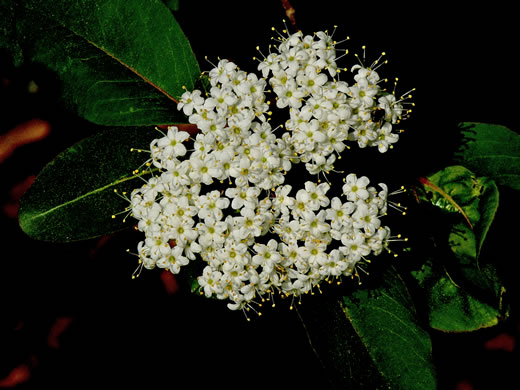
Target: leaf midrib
{"points": [[90, 193], [108, 53]]}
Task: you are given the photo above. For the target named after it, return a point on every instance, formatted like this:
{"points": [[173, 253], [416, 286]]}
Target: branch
{"points": [[290, 11]]}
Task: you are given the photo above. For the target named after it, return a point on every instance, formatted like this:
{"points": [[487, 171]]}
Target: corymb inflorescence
{"points": [[225, 197]]}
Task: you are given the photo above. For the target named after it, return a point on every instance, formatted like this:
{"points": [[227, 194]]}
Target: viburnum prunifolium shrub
{"points": [[224, 198]]}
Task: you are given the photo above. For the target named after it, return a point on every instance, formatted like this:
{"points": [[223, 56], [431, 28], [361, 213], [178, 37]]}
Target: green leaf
{"points": [[457, 190], [371, 339], [386, 321], [463, 293], [73, 198], [337, 346], [451, 307], [172, 4], [120, 62], [491, 150]]}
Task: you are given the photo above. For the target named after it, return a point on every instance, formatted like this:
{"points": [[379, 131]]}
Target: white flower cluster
{"points": [[325, 113], [259, 235]]}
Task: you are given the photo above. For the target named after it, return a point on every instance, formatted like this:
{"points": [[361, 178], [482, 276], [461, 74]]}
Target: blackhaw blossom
{"points": [[222, 198]]}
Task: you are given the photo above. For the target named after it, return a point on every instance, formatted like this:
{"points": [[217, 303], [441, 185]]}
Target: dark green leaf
{"points": [[463, 293], [457, 190], [386, 321], [371, 338], [493, 151], [120, 62], [337, 346], [488, 206], [172, 4], [73, 197], [451, 307]]}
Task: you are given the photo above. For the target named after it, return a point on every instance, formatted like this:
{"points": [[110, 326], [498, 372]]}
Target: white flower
{"points": [[251, 89], [224, 152], [316, 194], [385, 137], [380, 200], [173, 261], [176, 174], [340, 213], [204, 169], [221, 98], [149, 220], [144, 251], [210, 281], [301, 205], [310, 133], [211, 232], [334, 264], [327, 60], [320, 164], [282, 201], [288, 94], [314, 252], [363, 93], [311, 80], [243, 196], [249, 224], [191, 249], [393, 110], [355, 188], [365, 218], [267, 256], [203, 145], [318, 106], [290, 60], [222, 72], [172, 143], [234, 252], [181, 230], [241, 172], [315, 224], [365, 134], [355, 246], [288, 230], [211, 123], [190, 101], [179, 208], [335, 138], [158, 246], [269, 64], [211, 205], [365, 74]]}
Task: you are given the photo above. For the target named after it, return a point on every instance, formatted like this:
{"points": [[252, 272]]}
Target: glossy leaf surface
{"points": [[73, 198], [118, 62]]}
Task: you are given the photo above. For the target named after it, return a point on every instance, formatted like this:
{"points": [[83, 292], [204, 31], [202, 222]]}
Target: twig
{"points": [[290, 11]]}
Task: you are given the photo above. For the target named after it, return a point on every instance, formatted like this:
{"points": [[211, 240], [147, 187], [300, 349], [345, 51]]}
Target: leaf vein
{"points": [[97, 190]]}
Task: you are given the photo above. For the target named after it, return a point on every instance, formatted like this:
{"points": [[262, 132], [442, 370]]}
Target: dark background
{"points": [[71, 314]]}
